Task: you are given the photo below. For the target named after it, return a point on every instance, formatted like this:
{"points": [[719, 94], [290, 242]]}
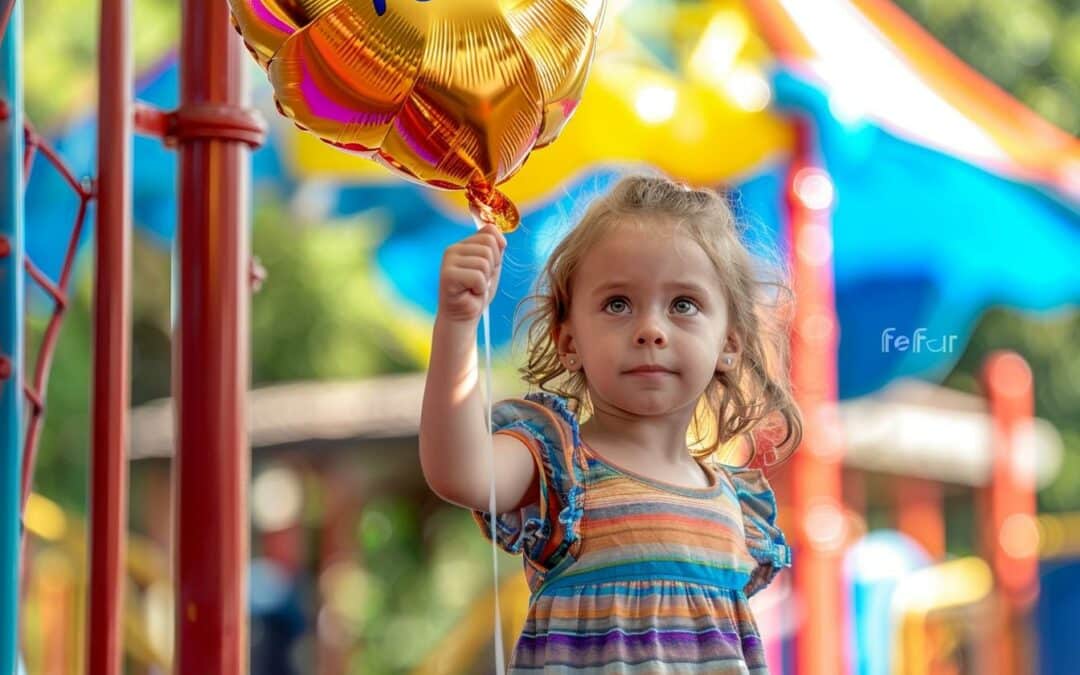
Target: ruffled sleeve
{"points": [[764, 540], [547, 531]]}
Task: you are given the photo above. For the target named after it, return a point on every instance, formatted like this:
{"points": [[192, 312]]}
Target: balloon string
{"points": [[499, 667], [491, 501]]}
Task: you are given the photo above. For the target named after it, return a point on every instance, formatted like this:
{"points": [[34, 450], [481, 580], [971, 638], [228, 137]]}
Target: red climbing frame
{"points": [[214, 135], [110, 400], [112, 344]]}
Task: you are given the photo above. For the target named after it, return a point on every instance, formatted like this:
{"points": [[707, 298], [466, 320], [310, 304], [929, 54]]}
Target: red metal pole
{"points": [[820, 531], [1011, 533], [112, 345], [919, 504], [210, 368]]}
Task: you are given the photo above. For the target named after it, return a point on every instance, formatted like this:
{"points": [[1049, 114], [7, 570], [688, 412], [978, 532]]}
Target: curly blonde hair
{"points": [[751, 403]]}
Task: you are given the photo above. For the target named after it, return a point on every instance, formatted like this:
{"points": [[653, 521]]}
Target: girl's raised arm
{"points": [[455, 444]]}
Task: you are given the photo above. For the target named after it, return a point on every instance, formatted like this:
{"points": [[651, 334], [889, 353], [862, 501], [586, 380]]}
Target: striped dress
{"points": [[630, 574]]}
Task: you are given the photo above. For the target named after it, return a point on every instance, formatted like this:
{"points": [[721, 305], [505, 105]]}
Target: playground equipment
{"points": [[213, 132], [946, 622]]}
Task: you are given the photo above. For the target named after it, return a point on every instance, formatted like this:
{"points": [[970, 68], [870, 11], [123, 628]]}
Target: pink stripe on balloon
{"points": [[423, 143], [270, 18], [324, 107]]}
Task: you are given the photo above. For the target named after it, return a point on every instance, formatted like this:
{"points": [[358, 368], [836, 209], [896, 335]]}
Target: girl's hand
{"points": [[470, 275]]}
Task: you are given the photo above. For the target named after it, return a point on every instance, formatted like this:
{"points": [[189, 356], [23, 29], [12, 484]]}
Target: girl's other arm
{"points": [[455, 444]]}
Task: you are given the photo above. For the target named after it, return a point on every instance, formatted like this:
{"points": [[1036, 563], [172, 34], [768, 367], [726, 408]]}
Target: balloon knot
{"points": [[489, 206]]}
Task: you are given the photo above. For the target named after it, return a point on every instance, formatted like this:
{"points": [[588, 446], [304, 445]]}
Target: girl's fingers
{"points": [[478, 250], [497, 233], [470, 271], [492, 235], [473, 281], [475, 263]]}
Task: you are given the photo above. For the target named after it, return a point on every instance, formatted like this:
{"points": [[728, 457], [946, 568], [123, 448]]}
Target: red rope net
{"points": [[34, 387]]}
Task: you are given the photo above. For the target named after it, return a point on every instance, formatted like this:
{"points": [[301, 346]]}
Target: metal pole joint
{"points": [[208, 121]]}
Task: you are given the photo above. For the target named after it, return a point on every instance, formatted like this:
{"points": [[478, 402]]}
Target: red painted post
{"points": [[919, 504], [1011, 536], [210, 347], [820, 522], [112, 344]]}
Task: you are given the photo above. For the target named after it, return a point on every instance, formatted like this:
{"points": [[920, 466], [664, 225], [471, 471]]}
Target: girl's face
{"points": [[646, 296]]}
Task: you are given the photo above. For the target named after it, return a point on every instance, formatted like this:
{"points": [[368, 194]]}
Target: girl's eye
{"points": [[614, 302], [686, 302]]}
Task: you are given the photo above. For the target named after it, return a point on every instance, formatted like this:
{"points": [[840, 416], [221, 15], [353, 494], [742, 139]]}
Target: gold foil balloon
{"points": [[452, 93]]}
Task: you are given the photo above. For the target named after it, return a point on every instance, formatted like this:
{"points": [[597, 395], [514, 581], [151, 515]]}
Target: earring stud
{"points": [[728, 361]]}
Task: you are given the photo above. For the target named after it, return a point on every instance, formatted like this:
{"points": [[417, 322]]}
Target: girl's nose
{"points": [[651, 333]]}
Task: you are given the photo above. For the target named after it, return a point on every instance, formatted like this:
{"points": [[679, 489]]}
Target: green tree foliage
{"points": [[64, 449], [1031, 48], [320, 314], [60, 52]]}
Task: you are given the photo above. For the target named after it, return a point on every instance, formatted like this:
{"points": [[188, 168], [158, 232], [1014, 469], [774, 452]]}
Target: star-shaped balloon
{"points": [[451, 93]]}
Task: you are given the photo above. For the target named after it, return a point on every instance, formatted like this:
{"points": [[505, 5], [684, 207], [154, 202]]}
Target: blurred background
{"points": [[953, 195]]}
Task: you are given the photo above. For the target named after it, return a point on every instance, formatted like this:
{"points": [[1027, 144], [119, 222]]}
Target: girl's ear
{"points": [[560, 336], [564, 345], [730, 354]]}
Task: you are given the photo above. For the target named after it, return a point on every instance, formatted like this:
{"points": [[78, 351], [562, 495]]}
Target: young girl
{"points": [[650, 322]]}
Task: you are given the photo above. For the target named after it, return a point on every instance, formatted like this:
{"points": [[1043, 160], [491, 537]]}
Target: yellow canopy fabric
{"points": [[704, 122]]}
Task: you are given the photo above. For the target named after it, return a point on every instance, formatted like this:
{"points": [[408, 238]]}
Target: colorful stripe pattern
{"points": [[629, 574]]}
